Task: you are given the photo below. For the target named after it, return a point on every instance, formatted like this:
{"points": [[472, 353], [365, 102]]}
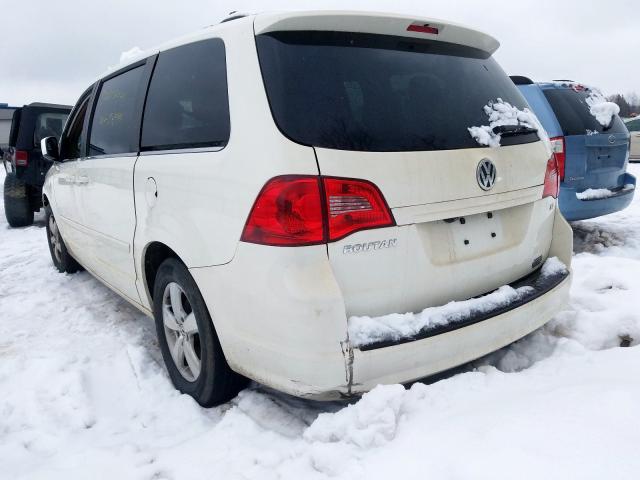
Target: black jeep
{"points": [[23, 161]]}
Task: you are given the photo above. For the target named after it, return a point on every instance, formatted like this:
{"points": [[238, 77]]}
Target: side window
{"points": [[71, 143], [187, 104], [634, 126], [113, 126], [48, 125]]}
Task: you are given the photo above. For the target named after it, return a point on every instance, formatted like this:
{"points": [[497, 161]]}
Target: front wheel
{"points": [[188, 341], [62, 260]]}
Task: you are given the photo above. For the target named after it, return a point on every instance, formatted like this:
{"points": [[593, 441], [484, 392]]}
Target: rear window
{"points": [[367, 92], [573, 113], [15, 126], [48, 124]]}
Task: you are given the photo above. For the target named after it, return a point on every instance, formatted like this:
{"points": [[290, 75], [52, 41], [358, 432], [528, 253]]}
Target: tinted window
{"points": [[71, 144], [113, 128], [573, 113], [368, 92], [187, 104], [633, 125], [48, 125]]}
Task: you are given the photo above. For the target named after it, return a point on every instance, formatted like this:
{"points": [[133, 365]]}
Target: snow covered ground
{"points": [[84, 394]]}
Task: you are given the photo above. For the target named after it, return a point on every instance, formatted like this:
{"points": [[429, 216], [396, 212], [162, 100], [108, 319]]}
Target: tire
{"points": [[197, 367], [17, 207], [60, 256]]}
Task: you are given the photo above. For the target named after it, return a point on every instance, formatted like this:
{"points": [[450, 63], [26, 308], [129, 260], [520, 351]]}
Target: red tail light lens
{"points": [[288, 211], [21, 158], [551, 179], [557, 144], [354, 205], [296, 210]]}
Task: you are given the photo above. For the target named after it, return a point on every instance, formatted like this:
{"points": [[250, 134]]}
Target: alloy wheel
{"points": [[181, 332]]}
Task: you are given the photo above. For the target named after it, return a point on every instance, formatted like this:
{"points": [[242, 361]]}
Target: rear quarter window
{"points": [[187, 104]]}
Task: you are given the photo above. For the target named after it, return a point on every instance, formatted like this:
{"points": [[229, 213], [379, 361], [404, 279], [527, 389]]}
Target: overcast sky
{"points": [[52, 50]]}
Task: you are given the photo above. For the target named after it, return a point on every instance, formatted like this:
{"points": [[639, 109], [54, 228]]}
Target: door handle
{"points": [[82, 180]]}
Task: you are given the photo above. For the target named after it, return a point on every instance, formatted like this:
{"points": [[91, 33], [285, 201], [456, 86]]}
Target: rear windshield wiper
{"points": [[512, 130]]}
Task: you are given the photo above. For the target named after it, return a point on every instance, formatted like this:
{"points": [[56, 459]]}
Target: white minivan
{"points": [[306, 200]]}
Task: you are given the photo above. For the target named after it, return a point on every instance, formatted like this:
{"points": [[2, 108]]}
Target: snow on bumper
{"points": [[406, 362]]}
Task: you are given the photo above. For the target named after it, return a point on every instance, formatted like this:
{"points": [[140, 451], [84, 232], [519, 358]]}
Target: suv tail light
{"points": [[557, 144], [551, 179], [21, 158], [296, 210]]}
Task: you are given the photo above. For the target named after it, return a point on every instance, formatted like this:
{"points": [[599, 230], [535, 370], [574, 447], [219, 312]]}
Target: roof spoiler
{"points": [[520, 80], [376, 23]]}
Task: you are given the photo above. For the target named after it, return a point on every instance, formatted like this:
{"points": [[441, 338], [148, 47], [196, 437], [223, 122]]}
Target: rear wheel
{"points": [[17, 207], [62, 260], [188, 340]]}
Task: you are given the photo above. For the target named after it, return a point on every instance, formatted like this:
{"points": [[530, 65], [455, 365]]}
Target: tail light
{"points": [[557, 144], [354, 205], [21, 158], [551, 179], [296, 210]]}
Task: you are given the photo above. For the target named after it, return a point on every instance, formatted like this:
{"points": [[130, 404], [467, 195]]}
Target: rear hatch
{"points": [[395, 110], [596, 155]]}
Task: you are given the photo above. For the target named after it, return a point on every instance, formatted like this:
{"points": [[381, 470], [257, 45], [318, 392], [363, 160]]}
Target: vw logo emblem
{"points": [[612, 139], [486, 174]]}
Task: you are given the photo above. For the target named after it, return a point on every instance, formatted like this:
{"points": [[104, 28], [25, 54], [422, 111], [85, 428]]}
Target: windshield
{"points": [[574, 115], [367, 92]]}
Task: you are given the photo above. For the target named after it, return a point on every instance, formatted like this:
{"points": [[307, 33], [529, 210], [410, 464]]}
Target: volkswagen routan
{"points": [[321, 202]]}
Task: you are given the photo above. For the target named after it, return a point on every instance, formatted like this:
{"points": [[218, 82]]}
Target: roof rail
{"points": [[520, 80], [563, 80], [233, 16]]}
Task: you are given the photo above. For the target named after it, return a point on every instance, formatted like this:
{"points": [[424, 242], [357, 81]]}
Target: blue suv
{"points": [[592, 158]]}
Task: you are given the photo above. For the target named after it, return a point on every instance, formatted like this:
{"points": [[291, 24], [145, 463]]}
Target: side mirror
{"points": [[49, 149]]}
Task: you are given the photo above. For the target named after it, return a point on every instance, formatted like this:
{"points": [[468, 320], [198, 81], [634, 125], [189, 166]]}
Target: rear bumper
{"points": [[418, 359], [574, 209], [280, 316]]}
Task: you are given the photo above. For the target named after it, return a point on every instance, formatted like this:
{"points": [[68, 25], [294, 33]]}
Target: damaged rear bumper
{"points": [[285, 325]]}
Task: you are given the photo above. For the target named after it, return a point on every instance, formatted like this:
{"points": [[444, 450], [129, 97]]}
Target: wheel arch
{"points": [[153, 255]]}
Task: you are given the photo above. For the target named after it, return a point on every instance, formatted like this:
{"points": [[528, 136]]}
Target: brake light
{"points": [[551, 179], [296, 210], [423, 28], [557, 144], [21, 158]]}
